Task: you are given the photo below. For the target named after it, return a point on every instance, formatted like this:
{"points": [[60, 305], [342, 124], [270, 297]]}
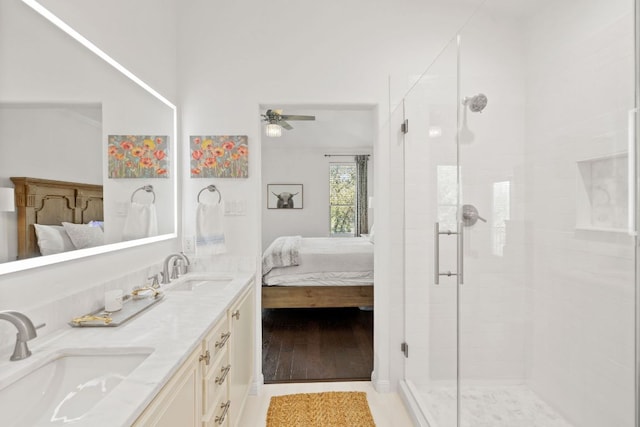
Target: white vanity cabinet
{"points": [[211, 387], [178, 403], [241, 352]]}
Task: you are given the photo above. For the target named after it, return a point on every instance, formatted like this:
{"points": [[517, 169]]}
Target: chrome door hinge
{"points": [[404, 127], [404, 348]]}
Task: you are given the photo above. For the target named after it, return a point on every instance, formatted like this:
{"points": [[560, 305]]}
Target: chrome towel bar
{"points": [[211, 188], [146, 188]]}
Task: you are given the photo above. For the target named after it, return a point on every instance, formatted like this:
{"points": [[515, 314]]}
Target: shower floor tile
{"points": [[495, 406]]}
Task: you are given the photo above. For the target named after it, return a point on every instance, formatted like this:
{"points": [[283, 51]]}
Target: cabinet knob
{"points": [[206, 357], [236, 314]]}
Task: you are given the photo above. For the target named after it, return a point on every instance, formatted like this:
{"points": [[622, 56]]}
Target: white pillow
{"points": [[84, 235], [53, 239], [371, 234]]}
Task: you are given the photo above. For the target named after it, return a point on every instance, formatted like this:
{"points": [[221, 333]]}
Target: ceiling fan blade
{"points": [[294, 117], [285, 125]]}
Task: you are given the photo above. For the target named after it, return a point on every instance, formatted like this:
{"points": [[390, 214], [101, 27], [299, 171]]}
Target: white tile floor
{"points": [[491, 406], [387, 408]]}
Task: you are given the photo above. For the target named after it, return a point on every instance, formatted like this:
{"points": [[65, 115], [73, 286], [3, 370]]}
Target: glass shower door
{"points": [[431, 204]]}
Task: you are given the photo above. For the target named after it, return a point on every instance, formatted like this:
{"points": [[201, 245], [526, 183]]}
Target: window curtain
{"points": [[362, 217]]}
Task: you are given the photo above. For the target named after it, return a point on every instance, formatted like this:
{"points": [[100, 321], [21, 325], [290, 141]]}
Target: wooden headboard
{"points": [[48, 202]]}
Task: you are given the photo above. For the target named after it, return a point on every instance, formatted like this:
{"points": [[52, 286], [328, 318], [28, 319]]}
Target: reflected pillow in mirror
{"points": [[53, 239], [84, 235]]}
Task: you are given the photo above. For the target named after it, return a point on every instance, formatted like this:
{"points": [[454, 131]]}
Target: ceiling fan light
{"points": [[273, 130]]}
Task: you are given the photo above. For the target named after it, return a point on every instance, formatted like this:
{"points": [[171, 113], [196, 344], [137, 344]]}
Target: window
{"points": [[342, 199]]}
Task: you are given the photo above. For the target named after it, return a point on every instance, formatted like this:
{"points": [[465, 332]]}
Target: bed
{"points": [[51, 203], [303, 272]]}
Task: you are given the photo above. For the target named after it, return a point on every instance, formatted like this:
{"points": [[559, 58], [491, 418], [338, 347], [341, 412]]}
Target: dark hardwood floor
{"points": [[316, 344]]}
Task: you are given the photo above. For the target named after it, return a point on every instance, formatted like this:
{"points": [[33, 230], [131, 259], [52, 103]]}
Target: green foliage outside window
{"points": [[342, 198]]}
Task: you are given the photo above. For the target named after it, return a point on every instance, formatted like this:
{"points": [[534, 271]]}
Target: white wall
{"points": [[580, 86], [141, 35], [31, 289], [310, 168], [300, 155]]}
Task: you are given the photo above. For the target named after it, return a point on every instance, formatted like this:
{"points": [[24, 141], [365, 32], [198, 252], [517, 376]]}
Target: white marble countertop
{"points": [[172, 329]]}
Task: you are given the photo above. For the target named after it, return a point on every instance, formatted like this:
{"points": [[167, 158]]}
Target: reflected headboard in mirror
{"points": [[50, 202]]}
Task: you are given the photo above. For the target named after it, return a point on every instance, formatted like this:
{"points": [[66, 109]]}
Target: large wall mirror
{"points": [[65, 107]]}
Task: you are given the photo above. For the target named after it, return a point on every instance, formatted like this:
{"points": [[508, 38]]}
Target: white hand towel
{"points": [[141, 221], [210, 229]]}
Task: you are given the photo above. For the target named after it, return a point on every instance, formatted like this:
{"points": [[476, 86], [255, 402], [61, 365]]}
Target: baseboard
{"points": [[256, 386], [412, 406], [381, 386]]}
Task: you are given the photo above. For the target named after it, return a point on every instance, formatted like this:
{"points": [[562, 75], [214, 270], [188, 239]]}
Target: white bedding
{"points": [[327, 261]]}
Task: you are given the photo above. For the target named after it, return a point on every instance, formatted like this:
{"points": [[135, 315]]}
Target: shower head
{"points": [[476, 103]]}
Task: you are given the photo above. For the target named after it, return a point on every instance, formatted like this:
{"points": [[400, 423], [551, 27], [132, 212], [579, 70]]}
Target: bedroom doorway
{"points": [[317, 316]]}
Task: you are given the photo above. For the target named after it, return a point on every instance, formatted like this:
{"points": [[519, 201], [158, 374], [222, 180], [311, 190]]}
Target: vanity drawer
{"points": [[215, 344], [219, 416], [215, 382]]}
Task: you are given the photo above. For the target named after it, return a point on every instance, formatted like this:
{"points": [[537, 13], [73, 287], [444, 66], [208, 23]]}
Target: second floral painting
{"points": [[219, 156]]}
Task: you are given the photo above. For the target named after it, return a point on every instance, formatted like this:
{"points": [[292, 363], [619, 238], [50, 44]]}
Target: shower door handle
{"points": [[632, 172], [436, 253], [460, 252]]}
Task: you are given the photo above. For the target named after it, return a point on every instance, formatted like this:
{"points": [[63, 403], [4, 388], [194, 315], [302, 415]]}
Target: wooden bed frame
{"points": [[316, 296], [49, 202]]}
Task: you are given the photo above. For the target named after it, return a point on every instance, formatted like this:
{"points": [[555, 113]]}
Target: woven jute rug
{"points": [[330, 409]]}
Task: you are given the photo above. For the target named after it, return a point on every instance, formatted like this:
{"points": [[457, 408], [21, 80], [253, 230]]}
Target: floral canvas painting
{"points": [[221, 156], [138, 156]]}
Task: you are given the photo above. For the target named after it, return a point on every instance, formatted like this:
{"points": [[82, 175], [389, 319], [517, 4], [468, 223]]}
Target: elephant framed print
{"points": [[284, 196]]}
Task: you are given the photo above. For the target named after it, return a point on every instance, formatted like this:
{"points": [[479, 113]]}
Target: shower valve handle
{"points": [[470, 215]]}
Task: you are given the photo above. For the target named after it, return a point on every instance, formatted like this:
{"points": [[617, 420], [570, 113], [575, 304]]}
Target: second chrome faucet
{"points": [[173, 261]]}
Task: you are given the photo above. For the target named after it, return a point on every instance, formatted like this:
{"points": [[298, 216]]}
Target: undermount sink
{"points": [[195, 284], [66, 387]]}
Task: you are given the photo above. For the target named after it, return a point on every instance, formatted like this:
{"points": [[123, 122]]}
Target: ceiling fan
{"points": [[276, 121]]}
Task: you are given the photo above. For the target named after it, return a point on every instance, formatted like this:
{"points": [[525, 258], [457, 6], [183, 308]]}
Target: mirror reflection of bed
{"points": [[317, 293], [57, 216]]}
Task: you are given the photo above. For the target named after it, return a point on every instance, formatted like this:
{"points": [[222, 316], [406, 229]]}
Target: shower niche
{"points": [[602, 194]]}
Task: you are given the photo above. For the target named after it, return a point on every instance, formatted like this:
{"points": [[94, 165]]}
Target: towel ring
{"points": [[148, 189], [210, 188]]}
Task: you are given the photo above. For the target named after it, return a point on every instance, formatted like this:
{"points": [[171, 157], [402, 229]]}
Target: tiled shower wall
{"points": [[579, 91]]}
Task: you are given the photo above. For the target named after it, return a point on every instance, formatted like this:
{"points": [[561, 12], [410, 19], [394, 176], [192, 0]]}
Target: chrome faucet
{"points": [[26, 332], [176, 271], [184, 265]]}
